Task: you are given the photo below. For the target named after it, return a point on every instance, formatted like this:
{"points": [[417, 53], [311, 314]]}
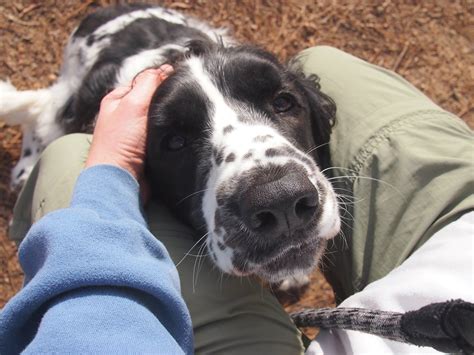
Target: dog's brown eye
{"points": [[174, 142], [283, 103]]}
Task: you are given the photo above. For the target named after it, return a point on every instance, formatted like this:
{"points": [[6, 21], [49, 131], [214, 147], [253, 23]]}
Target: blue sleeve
{"points": [[96, 280]]}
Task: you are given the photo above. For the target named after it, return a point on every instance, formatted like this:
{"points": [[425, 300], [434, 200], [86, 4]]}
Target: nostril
{"points": [[306, 207], [265, 220]]}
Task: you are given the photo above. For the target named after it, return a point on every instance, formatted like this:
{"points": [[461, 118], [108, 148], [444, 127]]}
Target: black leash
{"points": [[446, 326]]}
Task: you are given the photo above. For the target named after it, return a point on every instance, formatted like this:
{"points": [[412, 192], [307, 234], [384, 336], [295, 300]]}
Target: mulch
{"points": [[431, 43]]}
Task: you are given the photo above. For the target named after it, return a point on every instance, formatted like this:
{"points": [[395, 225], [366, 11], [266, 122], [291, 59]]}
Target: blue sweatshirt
{"points": [[96, 280]]}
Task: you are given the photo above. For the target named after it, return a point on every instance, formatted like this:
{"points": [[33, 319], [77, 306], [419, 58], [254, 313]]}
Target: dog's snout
{"points": [[281, 206]]}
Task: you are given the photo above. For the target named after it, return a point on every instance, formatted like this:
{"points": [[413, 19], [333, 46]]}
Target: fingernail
{"points": [[166, 68]]}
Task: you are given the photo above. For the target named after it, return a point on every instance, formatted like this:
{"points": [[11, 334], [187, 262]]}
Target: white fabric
{"points": [[440, 270]]}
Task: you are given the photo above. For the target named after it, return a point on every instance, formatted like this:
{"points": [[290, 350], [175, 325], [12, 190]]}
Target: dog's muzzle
{"points": [[269, 221]]}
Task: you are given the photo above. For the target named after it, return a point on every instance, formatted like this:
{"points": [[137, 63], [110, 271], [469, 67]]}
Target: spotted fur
{"points": [[228, 134]]}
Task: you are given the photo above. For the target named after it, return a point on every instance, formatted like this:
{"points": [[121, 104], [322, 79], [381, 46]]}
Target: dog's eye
{"points": [[174, 142], [283, 103]]}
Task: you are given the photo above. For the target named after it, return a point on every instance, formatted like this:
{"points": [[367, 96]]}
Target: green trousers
{"points": [[402, 165]]}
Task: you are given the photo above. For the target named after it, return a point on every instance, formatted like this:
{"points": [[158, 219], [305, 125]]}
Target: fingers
{"points": [[146, 82], [141, 90]]}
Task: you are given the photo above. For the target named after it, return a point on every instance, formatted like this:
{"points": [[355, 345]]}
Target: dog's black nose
{"points": [[281, 206]]}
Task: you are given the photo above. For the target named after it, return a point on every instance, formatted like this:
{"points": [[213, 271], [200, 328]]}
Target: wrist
{"points": [[133, 168]]}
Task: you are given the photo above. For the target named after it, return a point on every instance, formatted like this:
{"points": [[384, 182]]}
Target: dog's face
{"points": [[229, 145]]}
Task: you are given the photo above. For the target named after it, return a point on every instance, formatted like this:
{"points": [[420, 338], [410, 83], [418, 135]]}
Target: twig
{"points": [[179, 5], [401, 56], [20, 22], [29, 9]]}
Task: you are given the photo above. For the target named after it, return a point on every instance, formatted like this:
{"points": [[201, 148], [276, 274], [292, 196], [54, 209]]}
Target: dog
{"points": [[236, 144]]}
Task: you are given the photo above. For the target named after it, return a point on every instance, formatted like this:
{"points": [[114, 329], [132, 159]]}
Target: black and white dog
{"points": [[232, 134]]}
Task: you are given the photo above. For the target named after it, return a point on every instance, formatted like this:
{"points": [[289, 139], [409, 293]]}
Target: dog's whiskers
{"points": [[345, 243], [356, 177], [190, 195], [317, 147], [197, 269], [338, 167], [188, 252], [347, 200]]}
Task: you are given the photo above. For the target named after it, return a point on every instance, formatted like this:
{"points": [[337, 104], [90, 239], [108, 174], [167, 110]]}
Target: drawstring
{"points": [[446, 326]]}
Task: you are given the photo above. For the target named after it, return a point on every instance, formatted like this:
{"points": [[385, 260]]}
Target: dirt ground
{"points": [[431, 43]]}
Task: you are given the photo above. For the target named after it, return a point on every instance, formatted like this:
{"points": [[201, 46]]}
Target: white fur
{"points": [[24, 167], [36, 110], [240, 141], [80, 57], [120, 22], [294, 282], [143, 60], [21, 107]]}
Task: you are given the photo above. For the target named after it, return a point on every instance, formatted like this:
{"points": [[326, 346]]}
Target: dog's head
{"points": [[233, 150]]}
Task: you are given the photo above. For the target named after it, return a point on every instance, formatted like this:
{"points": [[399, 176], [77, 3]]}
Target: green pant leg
{"points": [[404, 164], [51, 182], [230, 315]]}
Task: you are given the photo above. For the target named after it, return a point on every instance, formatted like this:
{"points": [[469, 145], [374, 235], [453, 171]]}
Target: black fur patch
{"points": [[228, 129], [273, 152], [140, 35], [218, 156], [98, 18], [230, 158], [245, 75], [27, 152], [262, 138]]}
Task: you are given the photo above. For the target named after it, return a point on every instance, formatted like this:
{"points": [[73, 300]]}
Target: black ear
{"points": [[322, 112]]}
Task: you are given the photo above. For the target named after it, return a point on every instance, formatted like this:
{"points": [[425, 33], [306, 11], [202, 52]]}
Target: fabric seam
{"points": [[382, 135]]}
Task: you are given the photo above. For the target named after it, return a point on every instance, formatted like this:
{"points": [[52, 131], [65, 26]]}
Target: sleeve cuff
{"points": [[110, 191]]}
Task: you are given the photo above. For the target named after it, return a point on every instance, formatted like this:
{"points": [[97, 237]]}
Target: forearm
{"points": [[96, 258]]}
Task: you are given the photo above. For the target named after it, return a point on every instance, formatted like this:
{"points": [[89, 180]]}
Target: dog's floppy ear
{"points": [[322, 112]]}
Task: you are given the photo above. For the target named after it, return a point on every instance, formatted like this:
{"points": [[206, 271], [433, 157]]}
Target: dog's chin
{"points": [[290, 262]]}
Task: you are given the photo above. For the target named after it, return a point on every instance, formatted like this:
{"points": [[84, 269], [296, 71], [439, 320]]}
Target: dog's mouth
{"points": [[281, 261], [293, 261]]}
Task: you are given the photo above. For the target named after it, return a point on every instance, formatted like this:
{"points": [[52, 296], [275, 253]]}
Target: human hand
{"points": [[120, 132]]}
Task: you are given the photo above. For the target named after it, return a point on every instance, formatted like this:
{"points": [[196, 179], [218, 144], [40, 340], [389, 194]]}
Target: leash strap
{"points": [[446, 326]]}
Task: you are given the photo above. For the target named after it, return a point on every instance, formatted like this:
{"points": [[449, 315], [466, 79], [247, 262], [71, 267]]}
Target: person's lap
{"points": [[379, 116], [229, 314], [408, 166]]}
